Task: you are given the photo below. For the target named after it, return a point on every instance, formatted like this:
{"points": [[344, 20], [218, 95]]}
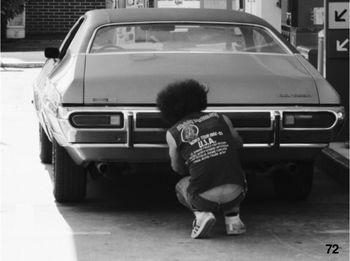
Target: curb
{"points": [[22, 65], [334, 165]]}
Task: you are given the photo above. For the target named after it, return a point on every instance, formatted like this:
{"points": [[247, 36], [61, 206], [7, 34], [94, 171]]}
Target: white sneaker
{"points": [[202, 224], [234, 225]]}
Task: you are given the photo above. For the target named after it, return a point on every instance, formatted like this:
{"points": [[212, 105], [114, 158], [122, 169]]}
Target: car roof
{"points": [[105, 16], [99, 17]]}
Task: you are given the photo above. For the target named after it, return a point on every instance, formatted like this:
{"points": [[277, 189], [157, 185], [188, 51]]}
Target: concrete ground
{"points": [[22, 59], [137, 217]]}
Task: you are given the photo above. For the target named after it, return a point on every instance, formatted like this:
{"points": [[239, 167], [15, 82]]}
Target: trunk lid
{"points": [[240, 78]]}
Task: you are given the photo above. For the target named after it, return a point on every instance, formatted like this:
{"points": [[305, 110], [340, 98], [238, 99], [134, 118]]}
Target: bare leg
{"points": [[181, 192]]}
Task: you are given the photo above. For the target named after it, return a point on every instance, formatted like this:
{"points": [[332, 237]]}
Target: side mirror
{"points": [[52, 53]]}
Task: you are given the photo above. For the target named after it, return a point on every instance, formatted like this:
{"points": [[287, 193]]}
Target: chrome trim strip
{"points": [[257, 145], [65, 111], [188, 52], [150, 146], [272, 34], [303, 145], [251, 145], [149, 129]]}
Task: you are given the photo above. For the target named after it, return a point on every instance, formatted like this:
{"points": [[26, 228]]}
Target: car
{"points": [[95, 95]]}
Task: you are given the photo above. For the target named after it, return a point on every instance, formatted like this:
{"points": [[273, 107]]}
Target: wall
{"points": [[266, 9], [56, 16]]}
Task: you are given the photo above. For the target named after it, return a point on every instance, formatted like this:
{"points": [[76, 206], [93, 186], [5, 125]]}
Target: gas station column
{"points": [[337, 52]]}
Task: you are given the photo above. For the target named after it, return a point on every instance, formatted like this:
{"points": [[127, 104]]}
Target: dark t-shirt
{"points": [[206, 144]]}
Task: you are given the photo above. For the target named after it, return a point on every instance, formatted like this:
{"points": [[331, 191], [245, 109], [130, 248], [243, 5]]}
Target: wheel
{"points": [[45, 147], [293, 181], [69, 178]]}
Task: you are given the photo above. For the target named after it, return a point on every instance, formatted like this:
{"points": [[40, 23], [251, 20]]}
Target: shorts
{"points": [[198, 203]]}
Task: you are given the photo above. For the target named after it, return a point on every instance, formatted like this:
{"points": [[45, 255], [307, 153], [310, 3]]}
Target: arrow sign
{"points": [[339, 17], [341, 46]]}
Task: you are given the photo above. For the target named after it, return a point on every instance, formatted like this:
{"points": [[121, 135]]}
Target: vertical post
{"points": [[121, 3], [229, 5], [320, 53]]}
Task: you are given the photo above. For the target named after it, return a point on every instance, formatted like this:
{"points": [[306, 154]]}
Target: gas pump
{"points": [[301, 21]]}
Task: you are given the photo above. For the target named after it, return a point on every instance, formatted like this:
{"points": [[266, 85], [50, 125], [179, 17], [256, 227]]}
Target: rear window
{"points": [[185, 38]]}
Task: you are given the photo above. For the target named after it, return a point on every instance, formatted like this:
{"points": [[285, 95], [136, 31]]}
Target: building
{"points": [[56, 16]]}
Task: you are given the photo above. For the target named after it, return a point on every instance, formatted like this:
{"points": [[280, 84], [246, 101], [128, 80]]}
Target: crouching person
{"points": [[205, 147]]}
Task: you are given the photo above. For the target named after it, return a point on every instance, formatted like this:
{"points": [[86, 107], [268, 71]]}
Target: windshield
{"points": [[185, 38]]}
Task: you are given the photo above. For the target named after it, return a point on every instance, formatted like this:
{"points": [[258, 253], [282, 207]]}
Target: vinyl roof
{"points": [[103, 16]]}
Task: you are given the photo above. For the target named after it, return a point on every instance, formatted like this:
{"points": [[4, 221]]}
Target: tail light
{"points": [[97, 120], [322, 120]]}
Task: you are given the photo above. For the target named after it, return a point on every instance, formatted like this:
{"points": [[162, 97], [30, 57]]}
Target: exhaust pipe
{"points": [[291, 167], [110, 170], [102, 167]]}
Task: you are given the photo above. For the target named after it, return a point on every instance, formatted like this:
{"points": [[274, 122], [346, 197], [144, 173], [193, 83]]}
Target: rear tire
{"points": [[294, 184], [69, 178], [45, 147]]}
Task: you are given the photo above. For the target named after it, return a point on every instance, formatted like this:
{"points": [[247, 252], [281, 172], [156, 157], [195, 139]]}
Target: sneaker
{"points": [[234, 225], [202, 224]]}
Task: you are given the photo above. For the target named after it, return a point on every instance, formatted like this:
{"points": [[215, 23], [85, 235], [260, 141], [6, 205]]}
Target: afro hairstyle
{"points": [[181, 98]]}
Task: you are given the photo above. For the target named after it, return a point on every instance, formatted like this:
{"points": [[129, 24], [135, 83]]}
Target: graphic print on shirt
{"points": [[208, 145], [189, 133]]}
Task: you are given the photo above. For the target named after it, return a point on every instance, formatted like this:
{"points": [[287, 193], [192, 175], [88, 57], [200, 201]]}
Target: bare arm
{"points": [[238, 140], [177, 163]]}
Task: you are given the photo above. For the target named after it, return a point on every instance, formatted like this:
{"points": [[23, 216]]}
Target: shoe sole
{"points": [[236, 232], [205, 229]]}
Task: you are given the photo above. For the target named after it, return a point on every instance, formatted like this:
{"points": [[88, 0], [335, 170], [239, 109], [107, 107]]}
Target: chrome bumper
{"points": [[133, 144]]}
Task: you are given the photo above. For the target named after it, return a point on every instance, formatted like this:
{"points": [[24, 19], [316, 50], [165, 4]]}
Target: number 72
{"points": [[335, 248]]}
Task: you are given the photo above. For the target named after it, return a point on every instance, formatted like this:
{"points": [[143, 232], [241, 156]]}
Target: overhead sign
{"points": [[338, 44], [342, 45], [338, 15]]}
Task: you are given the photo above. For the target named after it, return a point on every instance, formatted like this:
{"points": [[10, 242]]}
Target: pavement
{"points": [[33, 59], [334, 160]]}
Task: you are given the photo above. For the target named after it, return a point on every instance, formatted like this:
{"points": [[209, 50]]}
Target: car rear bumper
{"points": [[109, 153], [141, 138]]}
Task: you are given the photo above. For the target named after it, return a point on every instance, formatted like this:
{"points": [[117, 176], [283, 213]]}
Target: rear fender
{"points": [[327, 94]]}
